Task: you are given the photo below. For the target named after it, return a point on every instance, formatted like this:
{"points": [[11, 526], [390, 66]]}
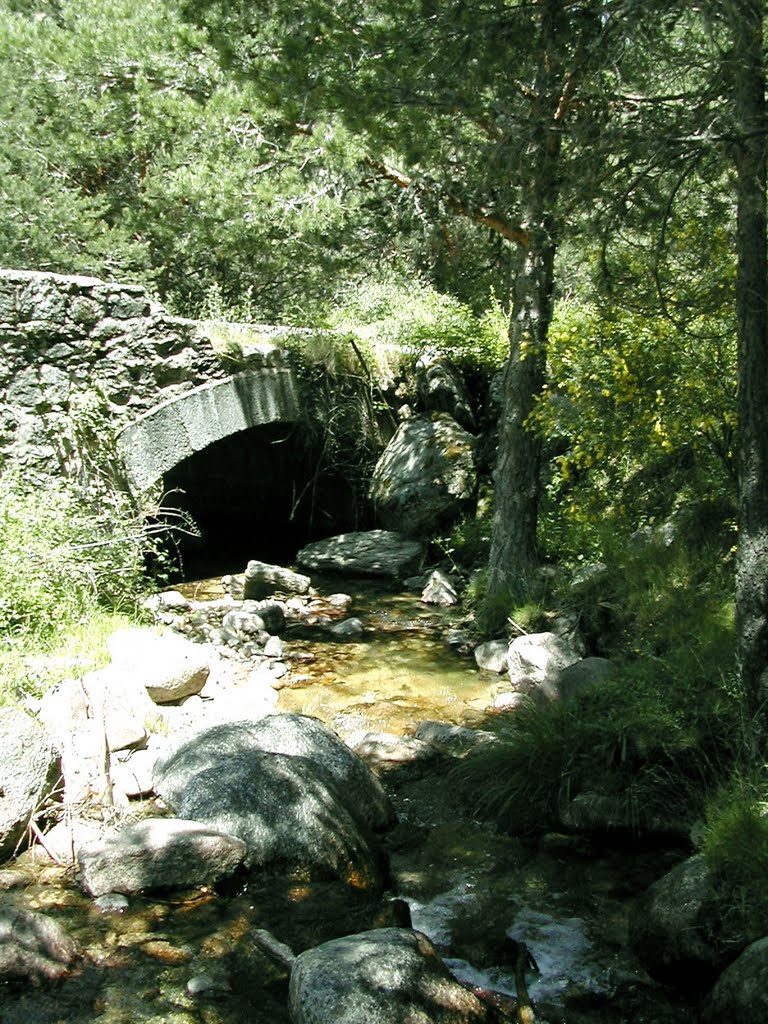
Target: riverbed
{"points": [[190, 958]]}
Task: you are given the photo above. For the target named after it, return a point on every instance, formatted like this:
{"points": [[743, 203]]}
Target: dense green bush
{"points": [[63, 556], [638, 421], [402, 312]]}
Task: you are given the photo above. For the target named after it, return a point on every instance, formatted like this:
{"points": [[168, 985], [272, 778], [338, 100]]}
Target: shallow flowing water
{"points": [[190, 959], [400, 673]]}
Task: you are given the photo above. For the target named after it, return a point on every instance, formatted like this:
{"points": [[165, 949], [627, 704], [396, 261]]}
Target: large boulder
{"points": [[158, 853], [33, 946], [674, 926], [29, 771], [363, 553], [387, 976], [426, 476], [291, 816], [169, 666], [290, 734], [741, 992]]}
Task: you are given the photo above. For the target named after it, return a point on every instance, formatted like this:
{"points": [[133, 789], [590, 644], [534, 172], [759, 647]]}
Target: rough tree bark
{"points": [[517, 479], [518, 474], [746, 18]]}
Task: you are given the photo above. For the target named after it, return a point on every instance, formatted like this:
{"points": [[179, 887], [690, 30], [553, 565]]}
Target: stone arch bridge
{"points": [[228, 437]]}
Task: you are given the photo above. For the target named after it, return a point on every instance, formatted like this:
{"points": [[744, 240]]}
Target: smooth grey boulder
{"points": [[576, 678], [348, 629], [168, 665], [291, 734], [262, 579], [537, 658], [29, 771], [386, 976], [741, 992], [384, 750], [291, 816], [451, 739], [674, 925], [364, 553], [426, 476], [33, 946], [158, 853]]}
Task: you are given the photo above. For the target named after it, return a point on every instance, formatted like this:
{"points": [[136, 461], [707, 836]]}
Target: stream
{"points": [[190, 958]]}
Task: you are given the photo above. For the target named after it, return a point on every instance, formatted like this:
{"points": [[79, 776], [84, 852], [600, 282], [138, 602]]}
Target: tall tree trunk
{"points": [[517, 480], [752, 307], [518, 468]]}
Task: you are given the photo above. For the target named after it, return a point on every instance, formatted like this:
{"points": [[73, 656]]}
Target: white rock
{"points": [[538, 657], [169, 666]]}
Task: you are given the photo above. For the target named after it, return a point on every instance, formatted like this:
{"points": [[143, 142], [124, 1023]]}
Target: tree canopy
{"points": [[596, 168]]}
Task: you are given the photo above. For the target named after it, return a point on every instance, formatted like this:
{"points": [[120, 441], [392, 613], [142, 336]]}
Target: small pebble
{"points": [[204, 984], [112, 903]]}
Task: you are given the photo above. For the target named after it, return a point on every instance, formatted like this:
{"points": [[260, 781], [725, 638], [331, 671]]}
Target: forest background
{"points": [[572, 190]]}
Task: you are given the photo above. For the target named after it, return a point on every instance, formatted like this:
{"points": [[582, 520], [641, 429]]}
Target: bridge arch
{"points": [[174, 430]]}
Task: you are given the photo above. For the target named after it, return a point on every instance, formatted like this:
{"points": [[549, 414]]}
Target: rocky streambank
{"points": [[194, 855]]}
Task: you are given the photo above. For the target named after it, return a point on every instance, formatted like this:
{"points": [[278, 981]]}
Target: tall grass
{"points": [[71, 565], [651, 744]]}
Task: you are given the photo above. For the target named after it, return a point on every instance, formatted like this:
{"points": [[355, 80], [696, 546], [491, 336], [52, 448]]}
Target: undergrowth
{"points": [[735, 848], [652, 744], [72, 570]]}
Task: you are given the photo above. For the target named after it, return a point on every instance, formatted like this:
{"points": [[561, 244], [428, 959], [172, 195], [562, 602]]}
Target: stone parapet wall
{"points": [[61, 336]]}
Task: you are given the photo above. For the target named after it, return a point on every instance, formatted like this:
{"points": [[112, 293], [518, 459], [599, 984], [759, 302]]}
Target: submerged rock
{"points": [[387, 976], [33, 946], [350, 629]]}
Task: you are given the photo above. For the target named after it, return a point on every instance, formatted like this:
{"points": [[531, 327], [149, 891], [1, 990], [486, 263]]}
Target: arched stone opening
{"points": [[261, 493]]}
